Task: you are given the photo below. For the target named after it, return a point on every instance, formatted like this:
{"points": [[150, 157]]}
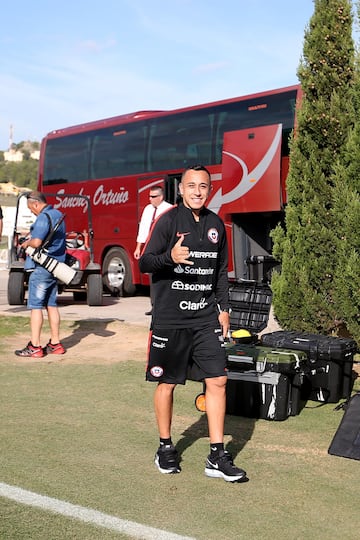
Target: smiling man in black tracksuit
{"points": [[187, 256]]}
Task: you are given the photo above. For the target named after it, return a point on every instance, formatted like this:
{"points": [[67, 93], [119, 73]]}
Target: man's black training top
{"points": [[187, 295]]}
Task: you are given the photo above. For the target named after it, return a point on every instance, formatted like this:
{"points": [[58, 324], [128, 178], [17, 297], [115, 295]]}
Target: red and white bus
{"points": [[112, 163]]}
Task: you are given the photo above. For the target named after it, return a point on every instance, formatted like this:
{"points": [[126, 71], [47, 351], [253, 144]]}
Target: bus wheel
{"points": [[117, 273], [16, 289], [94, 290]]}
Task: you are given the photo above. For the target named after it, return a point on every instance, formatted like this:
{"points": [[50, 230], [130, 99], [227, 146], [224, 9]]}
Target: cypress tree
{"points": [[347, 275], [303, 293], [347, 215]]}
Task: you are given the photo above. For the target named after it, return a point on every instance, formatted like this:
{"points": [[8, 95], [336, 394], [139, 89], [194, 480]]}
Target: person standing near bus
{"points": [[42, 284], [188, 258], [151, 212]]}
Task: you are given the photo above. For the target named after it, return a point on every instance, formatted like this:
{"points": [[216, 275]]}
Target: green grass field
{"points": [[86, 434]]}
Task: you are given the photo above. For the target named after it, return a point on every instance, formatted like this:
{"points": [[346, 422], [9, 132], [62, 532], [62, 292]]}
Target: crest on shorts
{"points": [[156, 371], [213, 235]]}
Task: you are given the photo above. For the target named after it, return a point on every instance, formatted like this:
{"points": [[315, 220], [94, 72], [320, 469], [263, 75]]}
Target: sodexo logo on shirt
{"points": [[181, 286]]}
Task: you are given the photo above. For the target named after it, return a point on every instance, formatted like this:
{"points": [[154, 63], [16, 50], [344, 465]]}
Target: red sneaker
{"points": [[56, 348], [30, 351]]}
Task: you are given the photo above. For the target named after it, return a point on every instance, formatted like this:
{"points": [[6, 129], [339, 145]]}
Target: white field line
{"points": [[87, 515]]}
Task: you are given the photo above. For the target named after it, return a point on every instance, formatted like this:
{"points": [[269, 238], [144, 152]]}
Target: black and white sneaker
{"points": [[167, 460], [223, 467]]}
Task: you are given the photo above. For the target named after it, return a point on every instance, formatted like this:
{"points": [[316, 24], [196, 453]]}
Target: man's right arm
{"points": [[157, 252], [39, 232]]}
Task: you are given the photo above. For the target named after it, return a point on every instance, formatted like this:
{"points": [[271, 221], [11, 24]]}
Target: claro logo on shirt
{"points": [[187, 305]]}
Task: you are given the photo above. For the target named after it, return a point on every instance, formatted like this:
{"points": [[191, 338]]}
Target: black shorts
{"points": [[175, 355]]}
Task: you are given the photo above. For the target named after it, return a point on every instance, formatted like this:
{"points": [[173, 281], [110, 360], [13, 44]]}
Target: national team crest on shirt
{"points": [[213, 235]]}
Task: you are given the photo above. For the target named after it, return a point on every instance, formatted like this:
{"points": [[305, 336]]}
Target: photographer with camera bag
{"points": [[42, 293]]}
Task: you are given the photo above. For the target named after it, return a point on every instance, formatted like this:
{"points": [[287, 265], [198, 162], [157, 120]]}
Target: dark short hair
{"points": [[196, 167], [36, 196]]}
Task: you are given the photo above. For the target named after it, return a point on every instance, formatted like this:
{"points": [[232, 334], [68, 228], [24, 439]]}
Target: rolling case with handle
{"points": [[264, 382], [330, 361]]}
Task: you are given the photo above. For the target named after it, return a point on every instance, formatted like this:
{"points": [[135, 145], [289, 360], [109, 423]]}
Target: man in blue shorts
{"points": [[187, 257], [43, 290]]}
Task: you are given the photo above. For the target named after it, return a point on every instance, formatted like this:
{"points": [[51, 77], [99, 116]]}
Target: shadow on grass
{"points": [[83, 328], [239, 428]]}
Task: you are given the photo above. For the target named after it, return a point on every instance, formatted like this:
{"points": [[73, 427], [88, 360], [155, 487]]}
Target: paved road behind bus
{"points": [[129, 310]]}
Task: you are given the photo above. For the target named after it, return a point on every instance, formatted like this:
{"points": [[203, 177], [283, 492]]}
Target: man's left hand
{"points": [[224, 320]]}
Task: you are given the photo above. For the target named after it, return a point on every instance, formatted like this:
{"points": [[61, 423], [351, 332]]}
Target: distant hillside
{"points": [[21, 174], [24, 146]]}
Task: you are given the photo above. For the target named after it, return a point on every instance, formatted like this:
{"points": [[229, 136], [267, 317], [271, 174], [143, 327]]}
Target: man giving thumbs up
{"points": [[187, 257]]}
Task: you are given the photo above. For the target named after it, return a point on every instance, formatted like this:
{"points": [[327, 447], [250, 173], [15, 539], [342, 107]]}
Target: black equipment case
{"points": [[250, 305], [264, 382], [346, 442], [330, 361]]}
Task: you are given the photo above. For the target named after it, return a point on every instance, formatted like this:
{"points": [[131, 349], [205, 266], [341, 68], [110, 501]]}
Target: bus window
{"points": [[119, 151], [67, 159], [180, 140]]}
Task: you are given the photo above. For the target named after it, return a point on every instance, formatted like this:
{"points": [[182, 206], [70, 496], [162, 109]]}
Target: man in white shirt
{"points": [[150, 213]]}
